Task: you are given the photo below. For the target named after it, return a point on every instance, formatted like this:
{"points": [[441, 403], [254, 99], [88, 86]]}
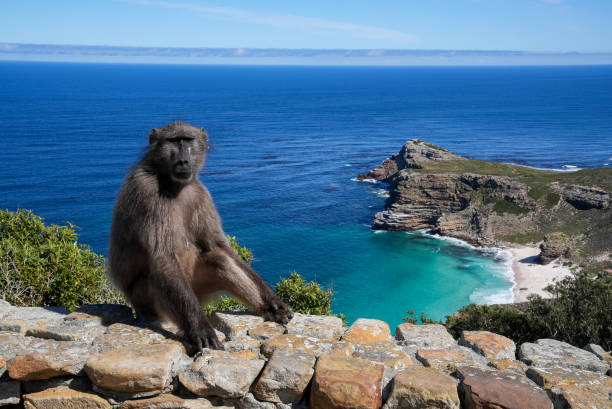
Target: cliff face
{"points": [[487, 203]]}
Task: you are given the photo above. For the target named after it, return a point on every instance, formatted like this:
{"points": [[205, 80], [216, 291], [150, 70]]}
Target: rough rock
{"points": [[105, 314], [167, 402], [11, 344], [481, 389], [430, 336], [79, 383], [249, 402], [224, 374], [21, 319], [118, 335], [63, 399], [412, 155], [554, 246], [317, 326], [243, 344], [367, 331], [488, 344], [388, 353], [448, 360], [586, 197], [10, 393], [234, 324], [508, 365], [314, 346], [599, 352], [285, 377], [418, 387], [549, 378], [73, 327], [583, 397], [550, 353], [341, 382], [2, 366], [267, 330], [143, 370], [44, 359], [5, 307]]}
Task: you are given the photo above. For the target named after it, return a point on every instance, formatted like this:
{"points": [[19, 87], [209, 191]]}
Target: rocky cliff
{"points": [[99, 357], [488, 203]]}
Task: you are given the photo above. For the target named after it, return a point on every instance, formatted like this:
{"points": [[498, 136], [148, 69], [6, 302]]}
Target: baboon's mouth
{"points": [[182, 175]]}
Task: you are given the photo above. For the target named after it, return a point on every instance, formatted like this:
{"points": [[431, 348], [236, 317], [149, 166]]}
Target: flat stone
{"points": [[142, 369], [73, 327], [448, 360], [343, 348], [11, 344], [549, 378], [166, 402], [105, 314], [266, 330], [249, 402], [10, 393], [243, 344], [488, 344], [341, 382], [583, 397], [550, 353], [45, 358], [234, 324], [599, 352], [430, 336], [121, 335], [317, 326], [63, 399], [223, 374], [481, 389], [508, 365], [418, 387], [367, 331], [5, 307], [21, 319], [285, 377], [388, 353], [290, 342]]}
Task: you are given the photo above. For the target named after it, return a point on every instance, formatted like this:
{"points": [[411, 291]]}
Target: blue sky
{"points": [[531, 25]]}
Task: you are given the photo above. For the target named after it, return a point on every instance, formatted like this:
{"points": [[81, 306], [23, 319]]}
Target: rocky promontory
{"points": [[101, 357], [489, 203]]}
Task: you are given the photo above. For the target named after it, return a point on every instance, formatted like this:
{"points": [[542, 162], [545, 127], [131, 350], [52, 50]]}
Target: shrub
{"points": [[45, 266], [579, 312]]}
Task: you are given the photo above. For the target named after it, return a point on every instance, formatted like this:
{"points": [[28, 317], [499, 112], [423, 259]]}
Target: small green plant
{"points": [[306, 297], [44, 265], [503, 206], [552, 199], [411, 318], [243, 252]]}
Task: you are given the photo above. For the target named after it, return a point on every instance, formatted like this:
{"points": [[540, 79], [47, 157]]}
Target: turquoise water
{"points": [[287, 143]]}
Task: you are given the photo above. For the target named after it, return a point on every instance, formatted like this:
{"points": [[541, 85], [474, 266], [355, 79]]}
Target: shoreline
{"points": [[531, 277]]}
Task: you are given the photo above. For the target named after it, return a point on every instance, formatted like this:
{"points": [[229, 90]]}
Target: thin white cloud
{"points": [[285, 20]]}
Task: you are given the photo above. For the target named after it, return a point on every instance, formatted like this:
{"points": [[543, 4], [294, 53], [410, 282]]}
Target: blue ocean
{"points": [[287, 143]]}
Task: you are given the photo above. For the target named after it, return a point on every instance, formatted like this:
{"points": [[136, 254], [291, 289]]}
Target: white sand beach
{"points": [[531, 277]]}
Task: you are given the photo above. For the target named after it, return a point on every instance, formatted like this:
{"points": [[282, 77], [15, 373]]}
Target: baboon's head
{"points": [[178, 150]]}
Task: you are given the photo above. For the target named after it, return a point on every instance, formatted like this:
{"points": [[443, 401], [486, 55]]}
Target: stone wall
{"points": [[99, 357]]}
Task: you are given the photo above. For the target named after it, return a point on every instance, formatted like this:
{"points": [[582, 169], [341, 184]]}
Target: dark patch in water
{"points": [[269, 157], [225, 172], [330, 189]]}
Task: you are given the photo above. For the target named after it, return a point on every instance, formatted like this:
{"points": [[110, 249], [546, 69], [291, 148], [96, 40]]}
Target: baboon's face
{"points": [[181, 155]]}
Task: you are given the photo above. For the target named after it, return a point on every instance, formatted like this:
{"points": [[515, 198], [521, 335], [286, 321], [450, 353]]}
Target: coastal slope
{"points": [[491, 204]]}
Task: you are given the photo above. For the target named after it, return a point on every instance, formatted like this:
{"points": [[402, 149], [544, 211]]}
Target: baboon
{"points": [[167, 248]]}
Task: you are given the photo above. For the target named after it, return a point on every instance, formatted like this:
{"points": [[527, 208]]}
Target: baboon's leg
{"points": [[240, 280], [143, 301], [170, 287]]}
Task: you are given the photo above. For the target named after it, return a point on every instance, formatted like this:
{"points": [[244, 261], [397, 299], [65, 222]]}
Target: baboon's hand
{"points": [[278, 312], [202, 337]]}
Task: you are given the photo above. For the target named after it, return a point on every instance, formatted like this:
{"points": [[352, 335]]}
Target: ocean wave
{"points": [[368, 180], [381, 192], [490, 296], [564, 168]]}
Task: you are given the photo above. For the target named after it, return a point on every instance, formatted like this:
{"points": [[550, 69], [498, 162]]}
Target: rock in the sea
{"points": [[554, 246], [447, 360], [418, 387], [367, 331], [139, 370], [234, 324], [266, 330], [45, 358], [314, 346], [10, 392], [318, 326], [340, 382], [223, 374], [430, 336], [488, 344], [285, 377], [63, 399], [550, 353], [483, 389]]}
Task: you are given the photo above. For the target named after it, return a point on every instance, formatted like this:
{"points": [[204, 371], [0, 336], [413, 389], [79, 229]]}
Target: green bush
{"points": [[243, 252], [503, 206], [579, 312], [45, 266]]}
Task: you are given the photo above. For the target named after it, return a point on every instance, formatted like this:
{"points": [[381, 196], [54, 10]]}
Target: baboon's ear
{"points": [[204, 137], [153, 136]]}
